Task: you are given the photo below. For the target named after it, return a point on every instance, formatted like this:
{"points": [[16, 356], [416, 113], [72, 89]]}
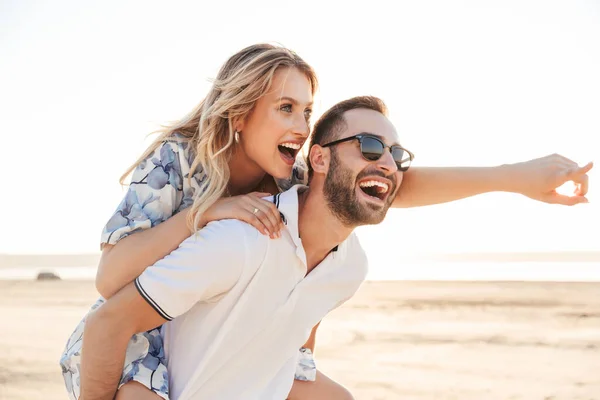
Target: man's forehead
{"points": [[369, 121]]}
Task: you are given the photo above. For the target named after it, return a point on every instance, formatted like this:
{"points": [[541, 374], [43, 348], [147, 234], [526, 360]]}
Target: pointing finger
{"points": [[577, 172]]}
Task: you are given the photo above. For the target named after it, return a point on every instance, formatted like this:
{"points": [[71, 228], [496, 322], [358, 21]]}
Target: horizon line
{"points": [[88, 259]]}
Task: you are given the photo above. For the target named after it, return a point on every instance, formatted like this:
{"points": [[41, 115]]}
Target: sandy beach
{"points": [[393, 340]]}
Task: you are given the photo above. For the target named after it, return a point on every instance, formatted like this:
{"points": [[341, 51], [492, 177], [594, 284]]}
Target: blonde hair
{"points": [[209, 128]]}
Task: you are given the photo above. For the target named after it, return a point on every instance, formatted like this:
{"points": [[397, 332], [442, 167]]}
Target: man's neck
{"points": [[318, 228]]}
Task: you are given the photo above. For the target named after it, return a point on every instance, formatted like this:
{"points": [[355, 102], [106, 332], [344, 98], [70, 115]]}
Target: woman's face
{"points": [[277, 127]]}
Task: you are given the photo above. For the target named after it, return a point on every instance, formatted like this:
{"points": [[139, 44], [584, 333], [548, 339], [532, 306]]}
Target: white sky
{"points": [[467, 82]]}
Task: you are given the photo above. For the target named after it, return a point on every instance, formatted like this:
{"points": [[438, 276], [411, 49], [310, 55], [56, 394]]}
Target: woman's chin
{"points": [[281, 172]]}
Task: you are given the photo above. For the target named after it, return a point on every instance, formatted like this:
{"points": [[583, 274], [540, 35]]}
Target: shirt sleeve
{"points": [[207, 264], [299, 175], [158, 190]]}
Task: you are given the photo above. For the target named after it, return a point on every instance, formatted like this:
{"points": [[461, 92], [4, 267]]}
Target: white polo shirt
{"points": [[243, 305]]}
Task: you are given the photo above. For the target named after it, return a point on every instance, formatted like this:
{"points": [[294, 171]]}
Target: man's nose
{"points": [[386, 163]]}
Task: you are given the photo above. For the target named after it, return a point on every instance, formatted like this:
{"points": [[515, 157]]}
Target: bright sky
{"points": [[467, 83]]}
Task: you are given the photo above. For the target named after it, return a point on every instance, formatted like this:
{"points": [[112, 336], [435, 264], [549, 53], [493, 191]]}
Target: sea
{"points": [[411, 271]]}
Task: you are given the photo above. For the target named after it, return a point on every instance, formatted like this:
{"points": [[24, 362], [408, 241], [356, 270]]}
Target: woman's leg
{"points": [[323, 388], [136, 391]]}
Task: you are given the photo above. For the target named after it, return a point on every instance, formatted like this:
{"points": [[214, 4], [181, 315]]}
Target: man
{"points": [[241, 304]]}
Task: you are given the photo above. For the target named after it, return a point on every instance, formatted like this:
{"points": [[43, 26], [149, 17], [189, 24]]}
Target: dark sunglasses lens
{"points": [[371, 148], [401, 157]]}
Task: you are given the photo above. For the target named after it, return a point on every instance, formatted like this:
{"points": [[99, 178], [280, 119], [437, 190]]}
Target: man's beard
{"points": [[340, 194]]}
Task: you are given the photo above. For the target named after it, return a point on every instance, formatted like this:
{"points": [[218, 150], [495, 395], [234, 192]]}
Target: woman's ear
{"points": [[319, 159], [238, 124]]}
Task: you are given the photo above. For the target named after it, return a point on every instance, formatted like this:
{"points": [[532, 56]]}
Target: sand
{"points": [[393, 340]]}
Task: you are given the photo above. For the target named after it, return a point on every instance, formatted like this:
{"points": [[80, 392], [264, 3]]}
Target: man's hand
{"points": [[538, 179]]}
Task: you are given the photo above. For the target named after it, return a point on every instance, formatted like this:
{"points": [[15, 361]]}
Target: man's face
{"points": [[359, 191]]}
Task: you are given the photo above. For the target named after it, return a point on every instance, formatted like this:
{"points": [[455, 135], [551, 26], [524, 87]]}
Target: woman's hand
{"points": [[250, 208]]}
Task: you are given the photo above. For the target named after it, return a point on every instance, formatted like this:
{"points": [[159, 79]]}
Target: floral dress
{"points": [[159, 189]]}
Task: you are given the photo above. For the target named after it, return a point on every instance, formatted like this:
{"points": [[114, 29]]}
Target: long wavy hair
{"points": [[209, 127]]}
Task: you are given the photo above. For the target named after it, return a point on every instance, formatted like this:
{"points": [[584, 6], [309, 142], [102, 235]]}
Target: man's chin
{"points": [[374, 219], [371, 214], [371, 204]]}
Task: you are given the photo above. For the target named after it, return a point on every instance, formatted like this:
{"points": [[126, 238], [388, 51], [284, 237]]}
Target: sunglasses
{"points": [[372, 149]]}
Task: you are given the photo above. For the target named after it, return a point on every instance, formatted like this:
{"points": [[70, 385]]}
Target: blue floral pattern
{"points": [[159, 189], [306, 370], [144, 361]]}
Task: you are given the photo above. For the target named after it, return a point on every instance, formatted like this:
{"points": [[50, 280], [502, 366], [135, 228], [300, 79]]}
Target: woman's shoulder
{"points": [[179, 151], [159, 188], [300, 172], [181, 146], [299, 175], [171, 164]]}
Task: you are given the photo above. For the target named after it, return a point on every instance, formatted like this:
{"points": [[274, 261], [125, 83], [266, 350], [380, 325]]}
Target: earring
{"points": [[236, 136]]}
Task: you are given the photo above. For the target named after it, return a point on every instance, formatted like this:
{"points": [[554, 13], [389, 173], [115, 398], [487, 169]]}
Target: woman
{"points": [[238, 144]]}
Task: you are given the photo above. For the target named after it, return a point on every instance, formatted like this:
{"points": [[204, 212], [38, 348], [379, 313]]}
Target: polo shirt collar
{"points": [[288, 205]]}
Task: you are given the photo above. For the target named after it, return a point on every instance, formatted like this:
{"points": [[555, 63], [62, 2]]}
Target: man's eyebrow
{"points": [[292, 100]]}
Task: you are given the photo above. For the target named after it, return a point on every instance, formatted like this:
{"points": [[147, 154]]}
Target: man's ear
{"points": [[319, 159]]}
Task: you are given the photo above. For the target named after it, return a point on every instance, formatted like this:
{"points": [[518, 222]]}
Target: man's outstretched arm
{"points": [[537, 179]]}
